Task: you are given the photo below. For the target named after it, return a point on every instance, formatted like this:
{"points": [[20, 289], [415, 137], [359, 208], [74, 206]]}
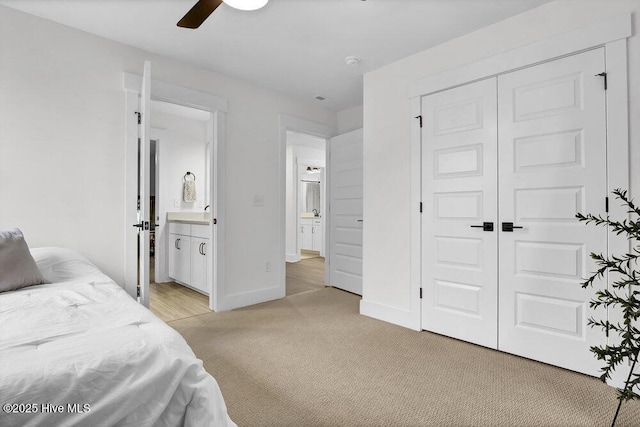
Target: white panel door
{"points": [[552, 150], [345, 212], [144, 179], [459, 264]]}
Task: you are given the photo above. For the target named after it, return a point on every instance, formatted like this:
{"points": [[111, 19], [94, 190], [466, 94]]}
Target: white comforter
{"points": [[81, 351]]}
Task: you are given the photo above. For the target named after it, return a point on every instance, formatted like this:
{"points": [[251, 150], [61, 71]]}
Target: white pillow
{"points": [[17, 267], [63, 265]]}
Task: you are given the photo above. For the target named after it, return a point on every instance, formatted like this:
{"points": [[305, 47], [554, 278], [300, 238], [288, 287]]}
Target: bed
{"points": [[81, 351]]}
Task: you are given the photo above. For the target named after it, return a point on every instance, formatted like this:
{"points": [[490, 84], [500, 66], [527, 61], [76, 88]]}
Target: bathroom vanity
{"points": [[189, 249]]}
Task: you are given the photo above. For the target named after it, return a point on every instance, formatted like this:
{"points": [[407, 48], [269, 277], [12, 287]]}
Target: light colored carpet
{"points": [[311, 360]]}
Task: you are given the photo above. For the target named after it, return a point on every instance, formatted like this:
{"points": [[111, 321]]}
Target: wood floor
{"points": [[305, 275], [171, 301]]}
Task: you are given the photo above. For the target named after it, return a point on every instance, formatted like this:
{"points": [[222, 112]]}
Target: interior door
{"points": [[144, 178], [459, 238], [552, 150], [345, 212]]}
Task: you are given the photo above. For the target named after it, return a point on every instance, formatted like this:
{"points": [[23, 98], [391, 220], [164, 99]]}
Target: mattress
{"points": [[81, 351]]}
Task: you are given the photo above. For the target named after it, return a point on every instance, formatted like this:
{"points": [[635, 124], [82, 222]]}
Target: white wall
{"points": [[350, 119], [182, 149], [62, 147], [303, 147], [387, 140]]}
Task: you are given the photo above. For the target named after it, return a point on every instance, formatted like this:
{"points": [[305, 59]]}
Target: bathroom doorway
{"points": [[305, 209]]}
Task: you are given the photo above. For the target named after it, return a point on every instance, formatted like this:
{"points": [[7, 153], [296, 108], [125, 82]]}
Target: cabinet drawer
{"points": [[179, 228], [199, 230]]}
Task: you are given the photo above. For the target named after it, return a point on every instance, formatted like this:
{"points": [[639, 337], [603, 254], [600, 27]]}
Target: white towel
{"points": [[189, 191]]}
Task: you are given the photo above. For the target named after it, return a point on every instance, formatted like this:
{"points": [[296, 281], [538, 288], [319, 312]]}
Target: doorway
{"points": [[306, 208], [179, 149], [139, 92]]}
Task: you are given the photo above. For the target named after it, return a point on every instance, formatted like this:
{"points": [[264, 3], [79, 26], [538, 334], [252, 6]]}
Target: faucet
{"points": [[206, 207], [316, 212]]}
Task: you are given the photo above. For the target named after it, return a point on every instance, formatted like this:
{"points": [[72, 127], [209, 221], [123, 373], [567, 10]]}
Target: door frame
{"points": [[293, 124], [217, 107], [611, 34]]}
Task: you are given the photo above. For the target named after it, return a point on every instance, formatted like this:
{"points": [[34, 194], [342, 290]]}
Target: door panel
{"points": [[144, 179], [345, 212], [552, 150], [459, 191]]}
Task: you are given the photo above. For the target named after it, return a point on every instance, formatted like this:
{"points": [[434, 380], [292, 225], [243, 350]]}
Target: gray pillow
{"points": [[17, 267]]}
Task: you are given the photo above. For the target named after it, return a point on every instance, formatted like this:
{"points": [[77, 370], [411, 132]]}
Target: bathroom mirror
{"points": [[310, 197]]}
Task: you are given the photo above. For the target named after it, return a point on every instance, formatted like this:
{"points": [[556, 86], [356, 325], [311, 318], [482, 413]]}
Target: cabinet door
{"points": [[316, 233], [199, 260], [307, 237], [179, 258]]}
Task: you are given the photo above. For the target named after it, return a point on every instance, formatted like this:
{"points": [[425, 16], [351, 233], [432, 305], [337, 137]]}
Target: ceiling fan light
{"points": [[246, 4]]}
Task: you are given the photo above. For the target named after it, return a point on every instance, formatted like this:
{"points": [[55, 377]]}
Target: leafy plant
{"points": [[623, 293]]}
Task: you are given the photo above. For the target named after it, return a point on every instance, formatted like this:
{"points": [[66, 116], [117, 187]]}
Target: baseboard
{"points": [[389, 314], [250, 298]]}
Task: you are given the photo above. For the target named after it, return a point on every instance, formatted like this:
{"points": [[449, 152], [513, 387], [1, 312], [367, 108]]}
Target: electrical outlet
{"points": [[267, 266]]}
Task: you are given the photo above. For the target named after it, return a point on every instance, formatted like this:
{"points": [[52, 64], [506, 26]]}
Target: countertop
{"points": [[190, 217]]}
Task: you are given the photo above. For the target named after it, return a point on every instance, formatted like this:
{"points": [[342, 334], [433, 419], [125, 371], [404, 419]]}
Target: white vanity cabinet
{"points": [[189, 259], [311, 234]]}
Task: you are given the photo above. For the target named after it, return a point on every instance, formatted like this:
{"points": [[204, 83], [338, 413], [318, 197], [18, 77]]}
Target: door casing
{"points": [[217, 106]]}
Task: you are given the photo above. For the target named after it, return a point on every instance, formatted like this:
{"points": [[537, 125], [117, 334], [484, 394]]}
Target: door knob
{"points": [[508, 227], [486, 226]]}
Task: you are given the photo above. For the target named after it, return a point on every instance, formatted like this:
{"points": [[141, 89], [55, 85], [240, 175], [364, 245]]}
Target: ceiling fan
{"points": [[203, 8]]}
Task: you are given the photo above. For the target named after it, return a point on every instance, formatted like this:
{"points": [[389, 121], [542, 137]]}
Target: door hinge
{"points": [[139, 114], [606, 204], [603, 74], [419, 118], [420, 207], [420, 293]]}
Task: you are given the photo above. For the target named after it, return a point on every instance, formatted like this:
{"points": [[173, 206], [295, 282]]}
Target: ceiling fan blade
{"points": [[199, 13]]}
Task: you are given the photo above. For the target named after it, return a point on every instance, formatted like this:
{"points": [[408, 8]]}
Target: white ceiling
{"points": [[296, 47]]}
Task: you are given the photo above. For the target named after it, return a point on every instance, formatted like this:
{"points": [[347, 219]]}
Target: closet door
{"points": [[459, 263], [552, 151]]}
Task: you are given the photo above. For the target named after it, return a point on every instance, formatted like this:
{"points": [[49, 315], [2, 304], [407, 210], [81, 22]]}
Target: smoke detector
{"points": [[352, 60]]}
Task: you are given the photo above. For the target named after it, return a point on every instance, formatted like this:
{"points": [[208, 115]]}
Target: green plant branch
{"points": [[623, 292]]}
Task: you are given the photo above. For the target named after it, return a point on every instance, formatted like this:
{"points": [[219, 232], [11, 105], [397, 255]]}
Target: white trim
{"points": [[244, 299], [217, 202], [415, 218], [195, 99], [387, 313], [612, 35], [295, 124], [589, 37], [618, 159], [175, 94]]}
